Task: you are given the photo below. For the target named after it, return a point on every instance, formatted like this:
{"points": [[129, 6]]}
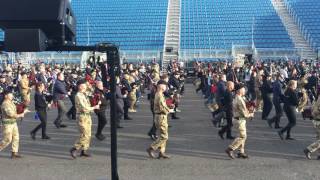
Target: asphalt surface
{"points": [[197, 151]]}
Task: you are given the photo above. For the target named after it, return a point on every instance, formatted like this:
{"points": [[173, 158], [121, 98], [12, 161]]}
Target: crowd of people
{"points": [[235, 93], [45, 86]]}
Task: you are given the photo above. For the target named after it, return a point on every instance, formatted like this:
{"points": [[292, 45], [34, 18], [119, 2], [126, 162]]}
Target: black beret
{"points": [[82, 81], [239, 86], [162, 82], [23, 73], [8, 91]]}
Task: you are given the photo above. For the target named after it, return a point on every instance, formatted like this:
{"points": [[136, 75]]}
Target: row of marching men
{"points": [[290, 89], [53, 87]]}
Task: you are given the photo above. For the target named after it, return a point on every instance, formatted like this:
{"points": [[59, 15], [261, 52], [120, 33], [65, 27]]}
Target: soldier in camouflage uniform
{"points": [[161, 111], [10, 128], [316, 124], [84, 109], [303, 101], [25, 90], [241, 115]]}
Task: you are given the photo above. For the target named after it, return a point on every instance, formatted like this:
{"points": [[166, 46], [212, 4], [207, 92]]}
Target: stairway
{"points": [[172, 34], [305, 50]]}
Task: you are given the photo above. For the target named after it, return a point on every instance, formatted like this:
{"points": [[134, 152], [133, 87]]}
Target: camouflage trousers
{"points": [[316, 145], [10, 135], [162, 126], [239, 142], [85, 123]]}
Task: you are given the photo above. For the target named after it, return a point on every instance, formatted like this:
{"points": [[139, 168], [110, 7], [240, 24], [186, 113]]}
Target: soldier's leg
{"points": [[243, 136], [7, 136], [87, 132], [15, 138], [239, 141], [79, 145], [316, 145], [163, 128], [164, 135]]}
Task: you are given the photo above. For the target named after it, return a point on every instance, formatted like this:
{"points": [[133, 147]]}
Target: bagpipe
{"points": [[90, 80], [95, 99], [172, 99], [17, 100], [97, 96], [251, 106]]}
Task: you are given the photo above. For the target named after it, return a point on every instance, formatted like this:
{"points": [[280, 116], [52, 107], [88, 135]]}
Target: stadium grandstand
{"points": [[194, 29]]}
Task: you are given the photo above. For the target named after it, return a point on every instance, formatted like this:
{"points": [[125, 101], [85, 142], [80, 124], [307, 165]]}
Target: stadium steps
{"points": [[172, 34], [305, 50]]}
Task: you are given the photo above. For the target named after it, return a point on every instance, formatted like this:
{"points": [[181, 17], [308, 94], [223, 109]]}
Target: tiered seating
{"points": [[305, 14], [217, 24], [134, 25]]}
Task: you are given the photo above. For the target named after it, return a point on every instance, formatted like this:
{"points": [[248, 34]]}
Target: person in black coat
{"points": [[228, 108], [312, 86], [266, 91], [153, 131], [72, 86], [120, 102], [277, 100], [41, 106], [290, 103], [101, 113], [59, 94], [252, 86], [126, 89]]}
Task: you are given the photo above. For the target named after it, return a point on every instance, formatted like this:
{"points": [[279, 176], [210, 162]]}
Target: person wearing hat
{"points": [[161, 111], [10, 131], [315, 146], [84, 109], [241, 115], [24, 88]]}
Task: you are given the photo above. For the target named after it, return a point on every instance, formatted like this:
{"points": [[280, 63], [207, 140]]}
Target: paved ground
{"points": [[197, 152]]}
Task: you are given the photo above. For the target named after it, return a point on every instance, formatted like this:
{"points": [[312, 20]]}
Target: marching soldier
{"points": [[24, 88], [161, 111], [10, 127], [316, 124], [303, 101], [241, 114], [84, 109]]}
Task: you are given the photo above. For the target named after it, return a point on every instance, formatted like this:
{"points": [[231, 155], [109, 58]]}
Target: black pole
{"points": [[113, 61]]}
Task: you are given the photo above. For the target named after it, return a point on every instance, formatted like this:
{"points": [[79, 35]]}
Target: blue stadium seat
{"points": [[226, 22], [306, 13]]}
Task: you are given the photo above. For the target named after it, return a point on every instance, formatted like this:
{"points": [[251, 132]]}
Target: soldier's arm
{"points": [[244, 111], [85, 108], [10, 112], [163, 106]]}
